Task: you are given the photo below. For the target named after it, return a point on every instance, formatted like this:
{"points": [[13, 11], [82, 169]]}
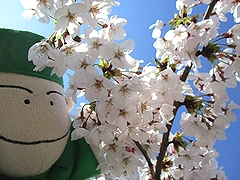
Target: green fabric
{"points": [[14, 46], [76, 163]]}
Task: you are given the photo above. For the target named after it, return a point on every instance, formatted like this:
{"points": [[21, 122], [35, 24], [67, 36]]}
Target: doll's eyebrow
{"points": [[50, 92], [16, 87]]}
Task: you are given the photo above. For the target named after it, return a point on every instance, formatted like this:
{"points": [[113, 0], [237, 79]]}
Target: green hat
{"points": [[14, 46]]}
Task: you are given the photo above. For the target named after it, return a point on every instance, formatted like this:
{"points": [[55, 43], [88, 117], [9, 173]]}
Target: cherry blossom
{"points": [[41, 54], [114, 29], [124, 116], [127, 166], [113, 152], [79, 133], [97, 11], [185, 3], [132, 105], [97, 88], [157, 29], [192, 125], [126, 93], [69, 16], [39, 8], [177, 36], [103, 133], [84, 67], [97, 42], [229, 6], [120, 54], [104, 109], [66, 56]]}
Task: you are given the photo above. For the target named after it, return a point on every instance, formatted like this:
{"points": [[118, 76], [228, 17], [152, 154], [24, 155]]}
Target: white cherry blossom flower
{"points": [[113, 152], [124, 116], [235, 37], [177, 36], [188, 159], [121, 57], [29, 7], [166, 112], [192, 125], [97, 11], [209, 141], [97, 42], [127, 167], [185, 3], [223, 6], [229, 6], [40, 8], [195, 174], [84, 68], [167, 80], [157, 29], [71, 92], [59, 66], [200, 31], [79, 133], [134, 132], [145, 107], [113, 2], [159, 127], [104, 109], [65, 57], [229, 111], [126, 93], [103, 133], [41, 54], [164, 49], [114, 29], [97, 88], [236, 13], [69, 17]]}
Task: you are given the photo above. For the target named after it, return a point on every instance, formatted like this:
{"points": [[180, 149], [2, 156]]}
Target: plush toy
{"points": [[34, 122]]}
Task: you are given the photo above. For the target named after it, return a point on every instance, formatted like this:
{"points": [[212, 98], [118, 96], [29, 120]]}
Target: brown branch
{"points": [[165, 139], [165, 142], [210, 9], [144, 153]]}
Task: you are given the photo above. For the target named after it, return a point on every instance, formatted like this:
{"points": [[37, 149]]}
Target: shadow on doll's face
{"points": [[34, 124]]}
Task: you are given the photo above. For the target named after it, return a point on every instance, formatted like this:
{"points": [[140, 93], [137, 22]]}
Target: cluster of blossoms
{"points": [[131, 108]]}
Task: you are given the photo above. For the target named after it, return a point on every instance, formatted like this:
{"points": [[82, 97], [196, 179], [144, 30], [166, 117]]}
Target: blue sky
{"points": [[140, 15]]}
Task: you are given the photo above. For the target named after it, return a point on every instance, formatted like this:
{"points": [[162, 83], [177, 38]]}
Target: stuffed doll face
{"points": [[34, 124]]}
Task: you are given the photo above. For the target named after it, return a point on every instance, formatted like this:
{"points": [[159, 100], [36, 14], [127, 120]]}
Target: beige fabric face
{"points": [[31, 117]]}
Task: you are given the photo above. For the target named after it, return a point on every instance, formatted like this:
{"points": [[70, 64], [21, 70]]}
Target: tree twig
{"points": [[165, 139], [210, 9], [144, 152], [156, 174]]}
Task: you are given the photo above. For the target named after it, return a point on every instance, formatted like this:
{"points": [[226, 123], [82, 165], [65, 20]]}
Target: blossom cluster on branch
{"points": [[132, 107]]}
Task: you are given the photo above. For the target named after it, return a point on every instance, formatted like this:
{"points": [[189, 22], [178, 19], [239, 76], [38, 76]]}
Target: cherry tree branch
{"points": [[210, 9], [144, 152], [165, 143], [165, 139]]}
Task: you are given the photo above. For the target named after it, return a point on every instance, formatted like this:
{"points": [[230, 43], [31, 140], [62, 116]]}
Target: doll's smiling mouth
{"points": [[32, 142]]}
